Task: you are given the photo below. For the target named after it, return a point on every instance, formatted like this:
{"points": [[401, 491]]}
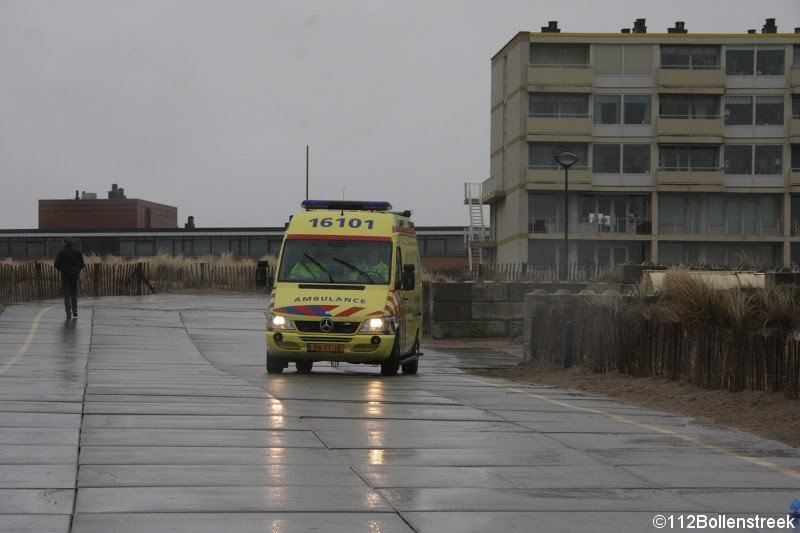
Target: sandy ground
{"points": [[767, 414]]}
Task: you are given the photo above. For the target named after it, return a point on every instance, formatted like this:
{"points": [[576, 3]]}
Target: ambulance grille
{"points": [[314, 326], [326, 339]]}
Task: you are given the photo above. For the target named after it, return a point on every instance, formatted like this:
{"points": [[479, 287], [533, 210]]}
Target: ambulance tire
{"points": [[275, 365], [392, 364], [303, 366], [412, 365]]}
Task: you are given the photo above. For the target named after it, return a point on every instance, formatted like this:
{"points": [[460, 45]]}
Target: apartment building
{"points": [[688, 147]]}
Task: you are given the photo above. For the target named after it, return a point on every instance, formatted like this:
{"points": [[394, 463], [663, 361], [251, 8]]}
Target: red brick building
{"points": [[117, 212]]}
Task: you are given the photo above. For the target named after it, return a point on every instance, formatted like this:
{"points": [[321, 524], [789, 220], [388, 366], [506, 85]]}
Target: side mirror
{"points": [[409, 279]]}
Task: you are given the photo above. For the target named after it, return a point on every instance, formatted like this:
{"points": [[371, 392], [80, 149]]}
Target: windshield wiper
{"points": [[353, 267], [319, 265]]}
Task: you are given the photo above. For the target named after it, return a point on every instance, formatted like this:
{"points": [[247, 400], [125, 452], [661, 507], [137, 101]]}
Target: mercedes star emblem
{"points": [[326, 325]]}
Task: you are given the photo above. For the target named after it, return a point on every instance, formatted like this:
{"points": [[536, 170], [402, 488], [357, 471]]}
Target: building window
{"points": [[796, 56], [606, 109], [769, 62], [769, 111], [685, 158], [608, 59], [689, 56], [637, 109], [559, 54], [738, 159], [637, 60], [768, 159], [606, 159], [796, 106], [559, 105], [455, 246], [542, 155], [685, 106], [796, 158], [738, 110], [202, 246], [739, 61], [259, 246], [636, 158], [435, 247]]}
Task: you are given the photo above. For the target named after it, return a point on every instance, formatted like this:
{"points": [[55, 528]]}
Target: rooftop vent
{"points": [[625, 30], [751, 31], [769, 27], [552, 27], [797, 30], [639, 26], [679, 27], [116, 192], [189, 223]]}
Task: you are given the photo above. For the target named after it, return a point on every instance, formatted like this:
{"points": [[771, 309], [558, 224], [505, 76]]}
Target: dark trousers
{"points": [[70, 283]]}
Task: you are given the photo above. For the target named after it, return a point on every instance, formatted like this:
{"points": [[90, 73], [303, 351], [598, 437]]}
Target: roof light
{"points": [[349, 205]]}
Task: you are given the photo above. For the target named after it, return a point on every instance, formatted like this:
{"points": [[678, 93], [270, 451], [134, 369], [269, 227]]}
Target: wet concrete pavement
{"points": [[155, 414]]}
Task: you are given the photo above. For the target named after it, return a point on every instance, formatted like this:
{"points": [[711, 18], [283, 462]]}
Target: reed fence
{"points": [[24, 282], [606, 338], [522, 272]]}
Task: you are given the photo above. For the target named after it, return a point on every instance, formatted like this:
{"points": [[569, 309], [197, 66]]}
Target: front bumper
{"points": [[357, 348]]}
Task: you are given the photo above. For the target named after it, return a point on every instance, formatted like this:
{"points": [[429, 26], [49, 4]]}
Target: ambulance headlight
{"points": [[278, 323], [385, 325]]}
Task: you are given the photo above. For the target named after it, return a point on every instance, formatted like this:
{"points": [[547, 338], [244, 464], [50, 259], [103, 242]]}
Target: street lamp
{"points": [[566, 160]]}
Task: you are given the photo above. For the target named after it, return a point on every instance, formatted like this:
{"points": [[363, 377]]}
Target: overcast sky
{"points": [[208, 105]]}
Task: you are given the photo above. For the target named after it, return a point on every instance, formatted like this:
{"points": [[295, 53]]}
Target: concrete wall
{"points": [[488, 309]]}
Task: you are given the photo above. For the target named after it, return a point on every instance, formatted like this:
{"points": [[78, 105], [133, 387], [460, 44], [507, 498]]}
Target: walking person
{"points": [[69, 262]]}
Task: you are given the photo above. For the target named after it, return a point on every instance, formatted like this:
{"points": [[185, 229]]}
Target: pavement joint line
{"points": [[790, 472], [26, 344]]}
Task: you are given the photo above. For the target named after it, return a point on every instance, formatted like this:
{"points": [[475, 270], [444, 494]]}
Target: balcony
{"points": [[795, 81], [691, 129], [690, 177], [578, 175], [795, 129], [490, 190], [561, 76], [723, 228], [795, 176], [485, 237], [597, 225], [706, 79], [564, 125]]}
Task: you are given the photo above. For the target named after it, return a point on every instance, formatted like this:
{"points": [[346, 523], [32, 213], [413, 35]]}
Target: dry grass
{"points": [[165, 260]]}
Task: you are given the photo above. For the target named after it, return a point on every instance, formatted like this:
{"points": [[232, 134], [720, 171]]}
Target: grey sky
{"points": [[208, 105]]}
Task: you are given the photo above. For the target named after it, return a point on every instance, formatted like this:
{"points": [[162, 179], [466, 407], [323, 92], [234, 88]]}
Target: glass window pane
{"points": [[739, 62], [544, 54], [127, 248], [542, 155], [638, 60], [673, 105], [738, 159], [705, 56], [605, 159], [202, 246], [571, 105], [769, 110], [796, 56], [219, 246], [259, 246], [703, 157], [637, 109], [574, 54], [541, 205], [606, 109], [675, 56], [796, 159], [455, 246], [796, 106], [738, 110], [608, 60], [636, 158], [542, 104], [705, 106], [769, 159], [436, 247], [769, 62]]}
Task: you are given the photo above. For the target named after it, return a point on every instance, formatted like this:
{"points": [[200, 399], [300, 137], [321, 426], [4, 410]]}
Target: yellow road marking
{"points": [[791, 472], [25, 345]]}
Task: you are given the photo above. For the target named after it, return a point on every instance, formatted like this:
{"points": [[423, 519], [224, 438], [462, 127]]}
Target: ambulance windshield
{"points": [[336, 261]]}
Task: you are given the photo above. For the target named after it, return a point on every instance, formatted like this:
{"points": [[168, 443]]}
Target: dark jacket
{"points": [[69, 261]]}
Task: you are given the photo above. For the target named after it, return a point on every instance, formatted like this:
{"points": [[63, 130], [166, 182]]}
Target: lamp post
{"points": [[566, 160]]}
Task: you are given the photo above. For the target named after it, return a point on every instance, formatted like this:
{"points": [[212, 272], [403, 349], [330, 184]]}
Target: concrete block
{"points": [[451, 310], [451, 292], [490, 292], [497, 310], [632, 274], [516, 328], [448, 329]]}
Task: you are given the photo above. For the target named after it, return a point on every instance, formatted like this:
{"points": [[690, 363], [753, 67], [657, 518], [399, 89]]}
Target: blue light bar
{"points": [[349, 205]]}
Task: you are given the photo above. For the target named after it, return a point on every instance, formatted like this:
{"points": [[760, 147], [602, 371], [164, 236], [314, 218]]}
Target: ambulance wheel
{"points": [[303, 366], [275, 365], [392, 364], [411, 366]]}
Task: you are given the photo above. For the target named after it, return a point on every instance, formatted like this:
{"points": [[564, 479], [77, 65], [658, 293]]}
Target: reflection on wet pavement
{"points": [[154, 413]]}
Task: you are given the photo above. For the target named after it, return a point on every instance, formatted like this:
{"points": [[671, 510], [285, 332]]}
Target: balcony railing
{"points": [[592, 225], [562, 74], [691, 75], [736, 227], [689, 176], [488, 187], [485, 235], [690, 125], [578, 174]]}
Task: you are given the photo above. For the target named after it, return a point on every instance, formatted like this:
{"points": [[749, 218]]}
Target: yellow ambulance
{"points": [[345, 289]]}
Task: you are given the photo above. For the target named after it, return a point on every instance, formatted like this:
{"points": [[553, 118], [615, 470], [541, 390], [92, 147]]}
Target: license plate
{"points": [[317, 347]]}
